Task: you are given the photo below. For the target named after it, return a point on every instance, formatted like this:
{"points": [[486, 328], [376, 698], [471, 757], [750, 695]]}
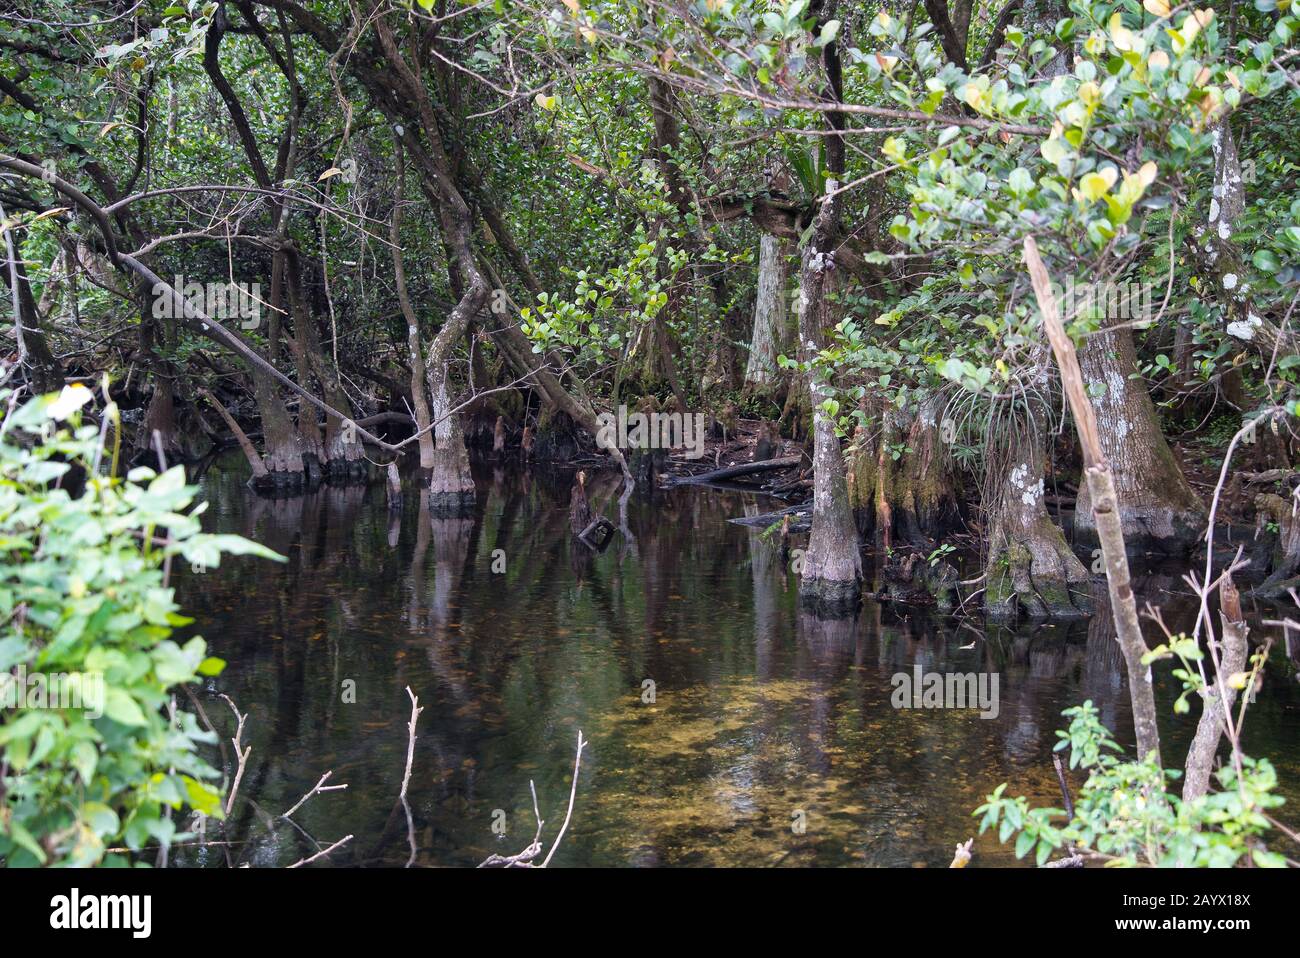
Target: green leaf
{"points": [[100, 818], [1266, 261], [123, 709], [23, 839], [84, 757], [830, 29], [202, 798]]}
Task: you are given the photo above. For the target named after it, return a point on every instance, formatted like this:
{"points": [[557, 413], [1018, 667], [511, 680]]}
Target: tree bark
{"points": [[832, 568], [768, 340], [1218, 698], [1222, 259], [39, 365], [910, 499], [1030, 566], [415, 355], [451, 485], [255, 462], [280, 442], [1157, 507]]}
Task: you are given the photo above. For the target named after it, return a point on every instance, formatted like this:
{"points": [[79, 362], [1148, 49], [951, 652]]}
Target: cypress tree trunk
{"points": [[761, 372], [415, 354], [451, 485], [832, 568], [39, 365], [282, 447], [160, 417], [1030, 566], [310, 440], [338, 449], [910, 499], [1157, 507], [1223, 261]]}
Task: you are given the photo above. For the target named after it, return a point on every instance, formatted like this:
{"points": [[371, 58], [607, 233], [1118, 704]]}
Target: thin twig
{"points": [[410, 744], [322, 854], [320, 787], [573, 794]]}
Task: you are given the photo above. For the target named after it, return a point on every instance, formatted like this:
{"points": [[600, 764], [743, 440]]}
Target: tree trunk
{"points": [[415, 355], [910, 499], [832, 567], [1284, 564], [338, 449], [40, 367], [451, 485], [769, 338], [260, 472], [1222, 259], [1217, 700], [1030, 566], [160, 417], [280, 442], [1157, 507]]}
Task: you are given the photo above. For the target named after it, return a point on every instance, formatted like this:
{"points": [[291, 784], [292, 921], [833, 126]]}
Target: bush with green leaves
{"points": [[84, 594], [1127, 814]]}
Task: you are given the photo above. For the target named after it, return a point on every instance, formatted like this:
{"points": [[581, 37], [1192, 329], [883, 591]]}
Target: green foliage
{"points": [[83, 593], [1127, 813], [606, 310], [942, 552]]}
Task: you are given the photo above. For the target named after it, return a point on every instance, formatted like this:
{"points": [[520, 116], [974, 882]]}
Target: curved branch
{"points": [[195, 320]]}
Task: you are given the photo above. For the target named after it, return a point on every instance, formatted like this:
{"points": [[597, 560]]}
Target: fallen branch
{"points": [[731, 472]]}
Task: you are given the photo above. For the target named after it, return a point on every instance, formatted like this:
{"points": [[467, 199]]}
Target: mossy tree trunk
{"points": [[1030, 567], [902, 486]]}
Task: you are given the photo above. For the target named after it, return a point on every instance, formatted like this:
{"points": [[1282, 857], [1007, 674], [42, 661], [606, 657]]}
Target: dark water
{"points": [[762, 716]]}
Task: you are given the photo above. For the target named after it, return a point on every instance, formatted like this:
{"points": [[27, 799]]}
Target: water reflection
{"points": [[769, 740]]}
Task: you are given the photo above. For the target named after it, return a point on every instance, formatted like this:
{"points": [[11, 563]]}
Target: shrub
{"points": [[85, 606]]}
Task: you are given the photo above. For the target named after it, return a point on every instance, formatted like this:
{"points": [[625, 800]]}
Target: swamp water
{"points": [[770, 738]]}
